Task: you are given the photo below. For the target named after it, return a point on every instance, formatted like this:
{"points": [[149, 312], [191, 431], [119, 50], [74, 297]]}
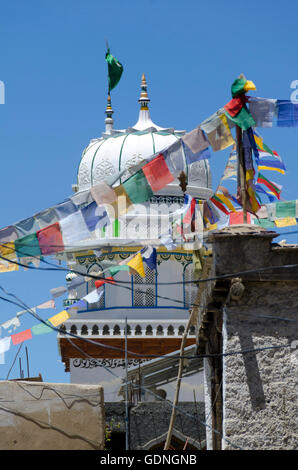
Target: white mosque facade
{"points": [[153, 309]]}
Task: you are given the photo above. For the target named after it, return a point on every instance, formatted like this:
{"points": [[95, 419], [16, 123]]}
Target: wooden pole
{"points": [[242, 175], [126, 392], [176, 398]]}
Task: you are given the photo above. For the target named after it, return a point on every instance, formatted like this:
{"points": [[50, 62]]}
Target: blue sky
{"points": [[52, 64]]}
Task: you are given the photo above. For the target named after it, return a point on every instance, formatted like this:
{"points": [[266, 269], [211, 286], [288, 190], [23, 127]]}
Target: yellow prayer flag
{"points": [[59, 318], [7, 250], [285, 222], [259, 141], [137, 264], [226, 201], [249, 85], [221, 137]]}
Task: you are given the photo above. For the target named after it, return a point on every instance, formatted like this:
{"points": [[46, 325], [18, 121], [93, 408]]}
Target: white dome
{"points": [[120, 150]]}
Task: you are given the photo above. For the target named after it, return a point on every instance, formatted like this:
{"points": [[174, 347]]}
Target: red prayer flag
{"points": [[50, 239], [101, 282], [237, 218], [157, 173], [234, 106], [22, 336]]}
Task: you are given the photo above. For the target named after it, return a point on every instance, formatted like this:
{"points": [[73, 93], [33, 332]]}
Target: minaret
{"points": [[109, 121]]}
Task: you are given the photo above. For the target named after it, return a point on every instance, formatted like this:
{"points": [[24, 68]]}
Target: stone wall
{"points": [[50, 416], [259, 389], [259, 341], [149, 423]]}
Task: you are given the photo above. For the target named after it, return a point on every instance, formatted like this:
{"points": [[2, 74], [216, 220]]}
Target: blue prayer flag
{"points": [[95, 216], [287, 113]]}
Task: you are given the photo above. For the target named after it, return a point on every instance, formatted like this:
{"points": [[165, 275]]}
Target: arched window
{"points": [[189, 288], [149, 331], [106, 330], [171, 330], [84, 330], [73, 329], [138, 330], [116, 330], [159, 330], [95, 330]]}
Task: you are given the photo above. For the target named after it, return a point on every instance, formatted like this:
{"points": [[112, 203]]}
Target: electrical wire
{"points": [[140, 355]]}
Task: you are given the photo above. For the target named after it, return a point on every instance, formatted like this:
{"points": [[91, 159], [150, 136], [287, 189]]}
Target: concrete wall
{"points": [[49, 416]]}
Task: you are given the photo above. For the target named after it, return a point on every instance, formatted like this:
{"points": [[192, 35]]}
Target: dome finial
{"points": [[109, 121], [144, 100]]}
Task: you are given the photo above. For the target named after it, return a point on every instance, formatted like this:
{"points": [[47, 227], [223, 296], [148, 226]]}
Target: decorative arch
{"points": [[178, 442], [91, 286], [189, 289]]}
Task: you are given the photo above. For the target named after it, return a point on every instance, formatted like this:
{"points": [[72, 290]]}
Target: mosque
{"points": [[143, 318]]}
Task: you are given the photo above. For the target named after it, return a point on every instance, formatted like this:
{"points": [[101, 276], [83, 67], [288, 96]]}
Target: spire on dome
{"points": [[109, 121], [144, 100], [144, 121]]}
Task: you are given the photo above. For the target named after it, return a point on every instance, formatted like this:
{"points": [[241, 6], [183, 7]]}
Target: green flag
{"points": [[115, 70]]}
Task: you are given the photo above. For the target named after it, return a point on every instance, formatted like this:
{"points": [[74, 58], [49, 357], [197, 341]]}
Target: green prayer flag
{"points": [[115, 70], [27, 246], [265, 223], [238, 86], [285, 209], [41, 329], [243, 119], [121, 267], [137, 188]]}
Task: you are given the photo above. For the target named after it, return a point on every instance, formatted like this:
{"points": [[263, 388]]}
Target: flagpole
{"points": [[242, 178]]}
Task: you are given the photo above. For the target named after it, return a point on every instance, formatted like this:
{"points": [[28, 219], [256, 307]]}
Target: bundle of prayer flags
{"points": [[195, 140], [236, 110]]}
